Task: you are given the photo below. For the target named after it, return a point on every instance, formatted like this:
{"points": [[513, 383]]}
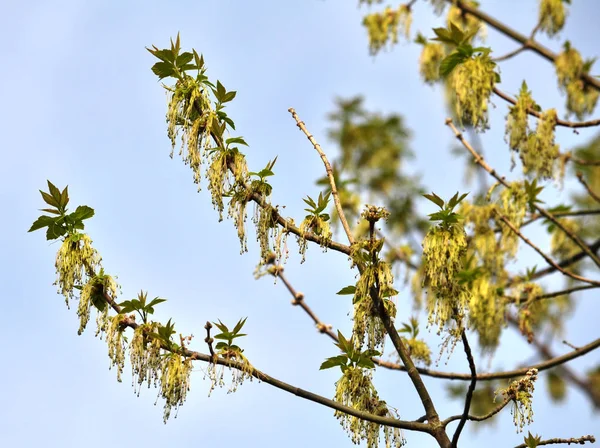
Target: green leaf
{"points": [[163, 70], [225, 336], [455, 200], [310, 202], [164, 55], [365, 363], [64, 197], [347, 290], [48, 199], [55, 231], [50, 210], [450, 62], [443, 35], [198, 59], [238, 140], [239, 325], [41, 222], [221, 326], [265, 173], [82, 212], [389, 292], [220, 91], [229, 96], [334, 361], [532, 441], [435, 199], [55, 193], [156, 301], [184, 58]]}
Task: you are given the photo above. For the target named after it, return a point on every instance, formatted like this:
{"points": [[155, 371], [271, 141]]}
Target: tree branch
{"points": [[543, 255], [559, 122], [551, 294], [478, 418], [470, 391], [591, 192], [578, 441], [438, 432], [329, 170], [261, 376]]}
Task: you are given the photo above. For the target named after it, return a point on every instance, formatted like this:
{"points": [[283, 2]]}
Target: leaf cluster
{"points": [[140, 306], [411, 328], [260, 185], [463, 50], [446, 215], [62, 223], [175, 65], [226, 345], [316, 208], [351, 357]]}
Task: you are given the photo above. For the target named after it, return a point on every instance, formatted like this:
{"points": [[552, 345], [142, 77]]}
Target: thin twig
{"points": [[511, 53], [575, 441], [551, 294], [559, 122], [579, 161], [478, 418], [567, 261], [558, 214], [470, 391], [549, 260], [298, 299], [591, 192], [329, 170]]}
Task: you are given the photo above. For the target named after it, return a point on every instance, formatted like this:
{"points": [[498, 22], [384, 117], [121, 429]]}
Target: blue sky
{"points": [[81, 107]]}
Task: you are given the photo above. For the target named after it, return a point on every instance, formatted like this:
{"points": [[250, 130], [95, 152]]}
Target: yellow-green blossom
{"points": [[355, 389], [116, 344], [384, 27], [145, 356], [520, 392], [517, 123], [541, 152], [443, 257], [174, 382], [429, 62], [581, 98], [472, 83], [75, 259], [552, 16], [466, 22]]}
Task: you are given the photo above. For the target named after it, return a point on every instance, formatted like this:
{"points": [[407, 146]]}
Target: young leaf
{"points": [[238, 140], [435, 199], [163, 70], [82, 212], [239, 325], [334, 361], [41, 222], [347, 290]]}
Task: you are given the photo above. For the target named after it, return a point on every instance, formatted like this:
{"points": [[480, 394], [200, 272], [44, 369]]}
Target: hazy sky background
{"points": [[81, 107]]}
